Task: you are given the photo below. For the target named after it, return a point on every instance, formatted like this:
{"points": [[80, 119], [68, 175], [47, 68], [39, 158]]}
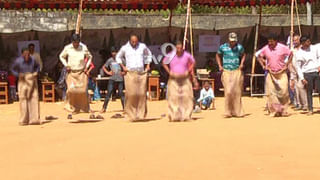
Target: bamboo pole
{"points": [[254, 58], [191, 33], [291, 32], [186, 27], [256, 41], [78, 23]]}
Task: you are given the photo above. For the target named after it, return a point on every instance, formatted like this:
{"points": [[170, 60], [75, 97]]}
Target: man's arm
{"points": [[299, 62], [191, 72], [243, 58], [63, 57], [262, 62], [41, 63], [15, 68], [201, 96], [106, 70], [88, 55], [148, 58], [36, 66], [218, 59], [120, 55]]}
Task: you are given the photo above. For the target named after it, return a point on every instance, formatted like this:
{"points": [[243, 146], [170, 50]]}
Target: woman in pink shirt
{"points": [[180, 66], [277, 80]]}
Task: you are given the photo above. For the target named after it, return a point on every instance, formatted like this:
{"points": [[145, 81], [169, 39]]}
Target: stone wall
{"points": [[19, 21]]}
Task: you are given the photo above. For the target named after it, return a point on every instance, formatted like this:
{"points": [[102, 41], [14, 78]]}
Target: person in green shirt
{"points": [[230, 58]]}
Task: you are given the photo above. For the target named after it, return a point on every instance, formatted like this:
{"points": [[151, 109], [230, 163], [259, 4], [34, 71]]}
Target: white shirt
{"points": [[74, 58], [307, 61], [204, 94], [293, 65], [37, 58], [135, 58]]}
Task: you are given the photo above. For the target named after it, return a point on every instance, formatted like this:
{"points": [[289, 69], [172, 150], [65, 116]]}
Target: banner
{"points": [[209, 43]]}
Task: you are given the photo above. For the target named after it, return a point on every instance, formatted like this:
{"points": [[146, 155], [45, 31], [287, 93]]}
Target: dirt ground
{"points": [[256, 147]]}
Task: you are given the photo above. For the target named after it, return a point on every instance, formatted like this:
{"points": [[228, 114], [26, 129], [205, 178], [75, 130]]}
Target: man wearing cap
{"points": [[136, 55], [113, 69], [73, 58], [233, 58], [27, 69], [277, 79]]}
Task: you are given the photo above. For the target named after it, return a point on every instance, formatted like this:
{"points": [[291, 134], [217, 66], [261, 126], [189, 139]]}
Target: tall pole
{"points": [[191, 34], [298, 18], [256, 40], [291, 32], [78, 23], [254, 58], [186, 27], [309, 13]]}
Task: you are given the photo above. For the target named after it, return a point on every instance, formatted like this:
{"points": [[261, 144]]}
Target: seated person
{"points": [[206, 97]]}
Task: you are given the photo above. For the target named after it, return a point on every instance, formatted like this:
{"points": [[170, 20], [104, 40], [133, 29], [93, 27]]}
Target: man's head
{"points": [[206, 85], [25, 54], [296, 40], [113, 51], [31, 47], [134, 40], [75, 39], [179, 47], [305, 42], [233, 39], [272, 40]]}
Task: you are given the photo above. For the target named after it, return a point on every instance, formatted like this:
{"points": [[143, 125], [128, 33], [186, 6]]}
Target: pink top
{"points": [[276, 57], [180, 65]]}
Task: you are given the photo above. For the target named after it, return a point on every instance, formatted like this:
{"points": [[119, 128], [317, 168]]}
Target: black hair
{"points": [[273, 36], [75, 38], [179, 42], [131, 35], [304, 39], [24, 49], [31, 44], [113, 49]]}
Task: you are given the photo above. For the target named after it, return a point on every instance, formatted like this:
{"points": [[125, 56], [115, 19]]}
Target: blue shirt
{"points": [[231, 56], [22, 66]]}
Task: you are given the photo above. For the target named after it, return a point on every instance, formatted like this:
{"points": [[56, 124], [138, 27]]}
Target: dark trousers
{"points": [[111, 85], [313, 79]]}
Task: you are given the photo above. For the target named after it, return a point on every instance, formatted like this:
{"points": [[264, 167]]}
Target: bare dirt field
{"points": [[256, 147]]}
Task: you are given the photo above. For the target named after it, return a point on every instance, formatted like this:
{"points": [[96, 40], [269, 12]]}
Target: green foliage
{"points": [[198, 9]]}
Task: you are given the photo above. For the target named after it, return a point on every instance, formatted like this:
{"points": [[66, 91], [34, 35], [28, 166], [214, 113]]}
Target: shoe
{"points": [[227, 116], [103, 110], [299, 108], [310, 113], [50, 118], [23, 124], [35, 123], [92, 116], [197, 109], [69, 116], [99, 117]]}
